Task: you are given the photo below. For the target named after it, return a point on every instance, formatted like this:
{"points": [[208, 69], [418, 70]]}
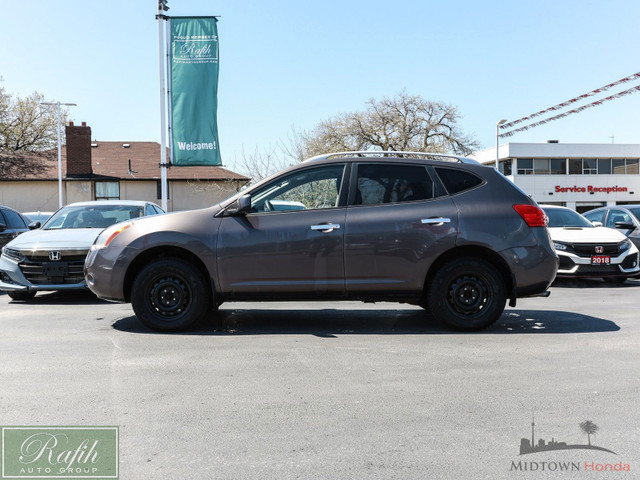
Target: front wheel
{"points": [[170, 295], [467, 294]]}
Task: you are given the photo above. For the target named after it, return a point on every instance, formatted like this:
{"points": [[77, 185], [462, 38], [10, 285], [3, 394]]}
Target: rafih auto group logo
{"points": [[588, 428], [59, 452]]}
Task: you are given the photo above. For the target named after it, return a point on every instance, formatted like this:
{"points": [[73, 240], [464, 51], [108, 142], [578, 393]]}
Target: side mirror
{"points": [[597, 224], [34, 225], [240, 207], [3, 227], [625, 226]]}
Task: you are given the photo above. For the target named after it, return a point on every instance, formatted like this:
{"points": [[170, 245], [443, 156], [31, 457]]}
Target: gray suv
{"points": [[442, 232]]}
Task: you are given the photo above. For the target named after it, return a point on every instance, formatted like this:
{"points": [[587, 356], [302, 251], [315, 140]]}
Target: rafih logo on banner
{"points": [[193, 91]]}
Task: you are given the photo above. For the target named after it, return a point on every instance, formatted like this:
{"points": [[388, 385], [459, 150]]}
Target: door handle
{"points": [[325, 227], [435, 220]]}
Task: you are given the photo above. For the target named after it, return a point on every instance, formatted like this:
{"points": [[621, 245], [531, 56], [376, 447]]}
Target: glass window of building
{"points": [[604, 166], [632, 165], [558, 166], [505, 167], [589, 166], [575, 166], [107, 190], [618, 166], [525, 166], [541, 166]]}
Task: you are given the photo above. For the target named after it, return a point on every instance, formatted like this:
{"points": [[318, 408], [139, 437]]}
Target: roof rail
{"points": [[386, 153]]}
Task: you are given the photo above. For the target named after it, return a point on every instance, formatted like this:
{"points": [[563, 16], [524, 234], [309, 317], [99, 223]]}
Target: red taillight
{"points": [[534, 216]]}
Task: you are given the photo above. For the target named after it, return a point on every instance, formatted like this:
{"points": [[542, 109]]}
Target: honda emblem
{"points": [[599, 249], [54, 256]]}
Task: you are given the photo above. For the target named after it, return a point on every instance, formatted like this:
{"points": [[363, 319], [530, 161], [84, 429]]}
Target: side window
{"points": [[149, 210], [456, 181], [378, 184], [617, 216], [310, 189], [13, 219], [595, 216], [158, 210]]}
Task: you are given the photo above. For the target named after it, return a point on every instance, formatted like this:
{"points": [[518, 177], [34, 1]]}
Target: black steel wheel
{"points": [[467, 294], [170, 295]]}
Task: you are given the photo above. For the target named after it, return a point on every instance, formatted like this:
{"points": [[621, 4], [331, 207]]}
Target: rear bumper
{"points": [[533, 267]]}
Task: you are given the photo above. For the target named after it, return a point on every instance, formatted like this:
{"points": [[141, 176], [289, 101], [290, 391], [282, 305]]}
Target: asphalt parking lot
{"points": [[321, 390]]}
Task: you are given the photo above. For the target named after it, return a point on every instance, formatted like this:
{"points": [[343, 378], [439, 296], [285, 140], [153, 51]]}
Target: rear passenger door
{"points": [[398, 221]]}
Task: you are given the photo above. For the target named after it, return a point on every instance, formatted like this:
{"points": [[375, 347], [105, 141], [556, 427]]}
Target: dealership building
{"points": [[581, 176]]}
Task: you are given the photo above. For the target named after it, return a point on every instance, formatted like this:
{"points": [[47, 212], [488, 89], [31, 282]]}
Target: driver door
{"points": [[292, 241]]}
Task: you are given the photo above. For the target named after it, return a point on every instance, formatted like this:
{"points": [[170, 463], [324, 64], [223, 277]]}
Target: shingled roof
{"points": [[115, 160]]}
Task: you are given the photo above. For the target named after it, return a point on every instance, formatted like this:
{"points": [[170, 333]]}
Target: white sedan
{"points": [[590, 251]]}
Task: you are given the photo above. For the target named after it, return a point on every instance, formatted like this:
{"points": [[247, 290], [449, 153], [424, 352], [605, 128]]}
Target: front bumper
{"points": [[626, 264], [12, 279], [105, 270]]}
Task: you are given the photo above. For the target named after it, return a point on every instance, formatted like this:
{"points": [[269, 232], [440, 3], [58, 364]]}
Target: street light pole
{"points": [[497, 140], [58, 104]]}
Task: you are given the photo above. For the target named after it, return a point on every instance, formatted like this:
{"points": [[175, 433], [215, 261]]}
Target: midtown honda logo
{"points": [[530, 446]]}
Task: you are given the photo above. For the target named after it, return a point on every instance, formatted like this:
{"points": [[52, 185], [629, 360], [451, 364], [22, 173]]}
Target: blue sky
{"points": [[286, 64]]}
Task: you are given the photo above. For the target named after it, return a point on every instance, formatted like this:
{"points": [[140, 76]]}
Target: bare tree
{"points": [[589, 428], [25, 125], [401, 123], [264, 163]]}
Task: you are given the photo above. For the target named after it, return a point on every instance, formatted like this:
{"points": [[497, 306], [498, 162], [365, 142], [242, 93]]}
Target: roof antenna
{"points": [[131, 172]]}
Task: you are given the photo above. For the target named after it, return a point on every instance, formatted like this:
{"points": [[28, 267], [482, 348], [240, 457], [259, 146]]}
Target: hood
{"points": [[585, 235], [66, 239]]}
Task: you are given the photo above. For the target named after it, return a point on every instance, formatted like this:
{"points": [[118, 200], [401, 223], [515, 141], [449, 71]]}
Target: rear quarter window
{"points": [[456, 181]]}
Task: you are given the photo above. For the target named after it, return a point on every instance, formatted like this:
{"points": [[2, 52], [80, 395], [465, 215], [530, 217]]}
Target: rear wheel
{"points": [[25, 295], [467, 294], [170, 295]]}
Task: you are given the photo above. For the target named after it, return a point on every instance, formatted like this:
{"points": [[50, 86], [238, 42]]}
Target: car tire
{"points": [[21, 295], [467, 294], [170, 295]]}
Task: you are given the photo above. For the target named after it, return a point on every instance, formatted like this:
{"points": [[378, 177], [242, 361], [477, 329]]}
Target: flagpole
{"points": [[164, 161]]}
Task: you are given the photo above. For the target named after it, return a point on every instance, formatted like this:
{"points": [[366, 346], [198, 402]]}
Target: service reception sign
{"points": [[193, 87]]}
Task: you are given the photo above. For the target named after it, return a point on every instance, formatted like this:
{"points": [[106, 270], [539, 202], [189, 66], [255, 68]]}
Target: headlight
{"points": [[559, 246], [12, 254], [624, 246], [109, 233]]}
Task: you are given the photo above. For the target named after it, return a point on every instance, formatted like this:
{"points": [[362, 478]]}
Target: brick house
{"points": [[93, 170]]}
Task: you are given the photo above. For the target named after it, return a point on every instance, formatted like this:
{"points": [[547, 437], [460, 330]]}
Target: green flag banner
{"points": [[193, 100]]}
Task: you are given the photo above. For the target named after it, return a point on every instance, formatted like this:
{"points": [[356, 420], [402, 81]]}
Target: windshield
{"points": [[566, 218], [98, 216]]}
